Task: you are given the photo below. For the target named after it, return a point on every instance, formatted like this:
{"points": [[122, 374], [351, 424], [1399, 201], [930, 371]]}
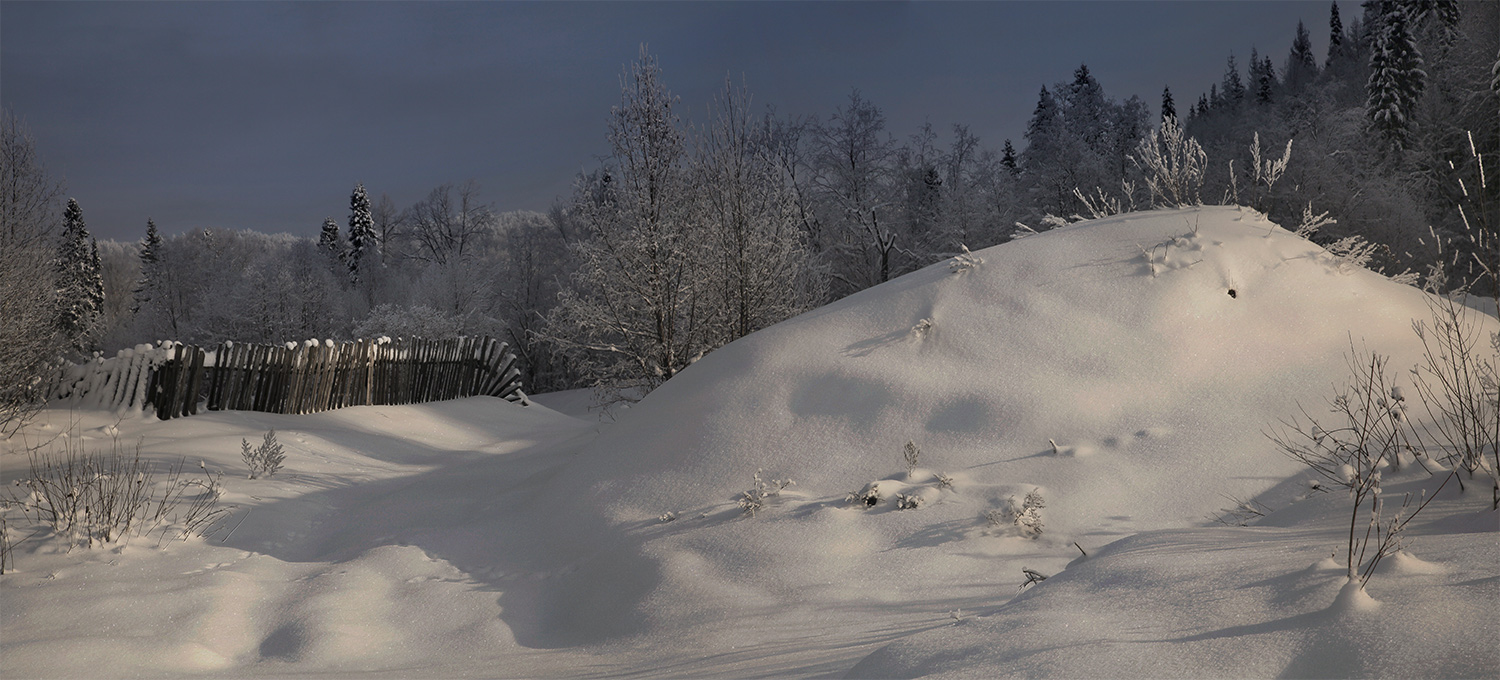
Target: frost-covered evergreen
{"points": [[1396, 78], [329, 243], [362, 242], [80, 289], [150, 267], [1335, 35]]}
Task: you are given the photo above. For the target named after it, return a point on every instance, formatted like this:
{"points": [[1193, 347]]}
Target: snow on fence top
{"points": [[295, 378]]}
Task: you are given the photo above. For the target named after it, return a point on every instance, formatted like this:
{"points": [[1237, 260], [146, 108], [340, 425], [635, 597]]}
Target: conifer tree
{"points": [[1168, 110], [1335, 35], [329, 243], [1301, 66], [150, 267], [1008, 158], [80, 288], [361, 232], [1396, 78], [1234, 87]]}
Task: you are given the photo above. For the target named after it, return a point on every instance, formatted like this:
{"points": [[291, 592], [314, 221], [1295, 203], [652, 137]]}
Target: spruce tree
{"points": [[150, 267], [1301, 66], [1234, 87], [1168, 110], [1008, 158], [1335, 35], [361, 231], [80, 288], [1396, 78], [329, 243]]}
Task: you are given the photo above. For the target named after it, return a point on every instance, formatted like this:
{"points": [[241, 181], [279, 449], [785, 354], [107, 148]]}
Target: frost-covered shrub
{"points": [[868, 497], [103, 497], [417, 321], [754, 500], [1172, 164], [913, 457], [964, 261], [944, 481], [908, 502], [1023, 517], [265, 459]]}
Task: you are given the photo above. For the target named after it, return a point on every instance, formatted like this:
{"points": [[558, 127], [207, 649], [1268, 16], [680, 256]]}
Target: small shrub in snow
{"points": [[913, 457], [908, 502], [91, 497], [920, 330], [868, 497], [944, 481], [1023, 517], [1172, 165], [754, 500], [265, 459], [668, 516], [964, 261], [1032, 577]]}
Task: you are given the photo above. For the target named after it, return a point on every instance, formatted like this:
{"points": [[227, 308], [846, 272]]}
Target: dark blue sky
{"points": [[263, 115]]}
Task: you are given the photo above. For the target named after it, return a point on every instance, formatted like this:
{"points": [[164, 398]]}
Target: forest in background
{"points": [[693, 233]]}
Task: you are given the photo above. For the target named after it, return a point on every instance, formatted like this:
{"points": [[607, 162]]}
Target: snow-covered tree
{"points": [[853, 160], [1008, 157], [1168, 109], [1335, 35], [1396, 78], [362, 239], [329, 242], [80, 290], [633, 314], [762, 271], [28, 199], [150, 278]]}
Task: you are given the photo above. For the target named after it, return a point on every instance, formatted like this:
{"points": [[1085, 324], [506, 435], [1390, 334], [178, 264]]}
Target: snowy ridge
{"points": [[1104, 368]]}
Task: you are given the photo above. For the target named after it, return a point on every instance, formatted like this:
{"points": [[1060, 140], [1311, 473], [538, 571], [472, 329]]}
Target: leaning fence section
{"points": [[173, 379], [318, 376]]}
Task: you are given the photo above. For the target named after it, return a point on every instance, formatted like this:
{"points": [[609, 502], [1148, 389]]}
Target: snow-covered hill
{"points": [[1123, 371]]}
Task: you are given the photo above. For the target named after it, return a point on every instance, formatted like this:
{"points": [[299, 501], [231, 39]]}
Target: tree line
{"points": [[689, 235]]}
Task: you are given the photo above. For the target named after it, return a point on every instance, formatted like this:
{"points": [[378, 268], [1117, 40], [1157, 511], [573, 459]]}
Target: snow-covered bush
{"points": [[1172, 164], [1458, 381], [98, 498], [964, 261], [913, 457], [265, 459], [418, 321], [944, 481], [1370, 435], [754, 500], [909, 501], [1023, 517], [869, 496]]}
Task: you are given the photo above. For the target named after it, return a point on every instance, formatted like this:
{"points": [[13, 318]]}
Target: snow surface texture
{"points": [[1104, 367]]}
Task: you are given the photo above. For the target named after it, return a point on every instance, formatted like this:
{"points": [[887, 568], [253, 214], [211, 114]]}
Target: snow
{"points": [[1103, 366]]}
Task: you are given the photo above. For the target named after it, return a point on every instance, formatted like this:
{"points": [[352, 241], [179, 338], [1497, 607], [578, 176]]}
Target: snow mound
{"points": [[1124, 370], [1129, 365]]}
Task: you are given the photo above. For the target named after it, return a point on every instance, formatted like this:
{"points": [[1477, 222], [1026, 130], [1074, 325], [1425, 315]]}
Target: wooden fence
{"points": [[314, 376]]}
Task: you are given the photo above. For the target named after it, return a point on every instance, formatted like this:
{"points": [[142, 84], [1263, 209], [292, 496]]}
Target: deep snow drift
{"points": [[1121, 370]]}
